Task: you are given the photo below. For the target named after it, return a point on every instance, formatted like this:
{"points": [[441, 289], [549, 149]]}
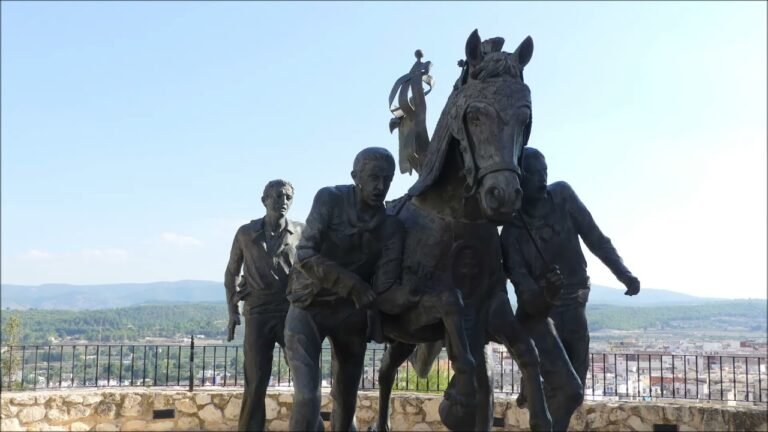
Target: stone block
{"points": [[517, 419], [232, 411], [421, 427], [637, 424], [10, 424], [134, 425], [400, 422], [132, 406], [202, 399], [31, 414], [24, 400], [79, 427], [186, 406], [106, 410], [285, 398], [79, 412], [272, 407], [54, 402], [277, 425], [91, 399], [617, 415], [431, 409], [106, 427], [221, 426], [365, 415], [188, 423], [58, 415], [112, 397], [210, 414], [161, 425], [220, 400], [74, 399], [7, 410], [43, 426], [162, 402]]}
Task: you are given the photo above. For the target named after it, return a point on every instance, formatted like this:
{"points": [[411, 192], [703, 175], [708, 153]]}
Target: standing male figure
{"points": [[266, 250], [348, 240], [550, 224]]}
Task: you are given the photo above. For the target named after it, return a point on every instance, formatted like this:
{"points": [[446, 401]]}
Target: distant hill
{"points": [[647, 297], [78, 297], [603, 295]]}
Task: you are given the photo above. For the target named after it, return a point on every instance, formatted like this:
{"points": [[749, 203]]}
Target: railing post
{"points": [[191, 364]]}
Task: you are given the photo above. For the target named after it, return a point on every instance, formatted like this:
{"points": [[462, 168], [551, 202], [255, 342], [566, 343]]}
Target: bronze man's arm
{"points": [[597, 242], [230, 278], [233, 271]]}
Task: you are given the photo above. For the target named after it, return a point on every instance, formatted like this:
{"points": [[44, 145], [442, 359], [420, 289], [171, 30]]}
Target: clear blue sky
{"points": [[137, 137]]}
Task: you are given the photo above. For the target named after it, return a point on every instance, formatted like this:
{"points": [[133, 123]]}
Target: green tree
{"points": [[10, 365]]}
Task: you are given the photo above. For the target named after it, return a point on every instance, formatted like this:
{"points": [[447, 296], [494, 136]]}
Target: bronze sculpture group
{"points": [[429, 268]]}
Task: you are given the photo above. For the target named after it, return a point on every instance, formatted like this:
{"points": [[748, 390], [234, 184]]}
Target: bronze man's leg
{"points": [[259, 342], [561, 384], [504, 327], [571, 325], [303, 344], [348, 342]]}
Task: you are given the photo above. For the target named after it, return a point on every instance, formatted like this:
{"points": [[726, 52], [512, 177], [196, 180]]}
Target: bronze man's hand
{"points": [[552, 281], [633, 285], [362, 295], [234, 321]]}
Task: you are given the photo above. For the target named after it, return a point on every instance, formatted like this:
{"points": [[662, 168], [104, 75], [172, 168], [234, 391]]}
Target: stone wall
{"points": [[131, 409]]}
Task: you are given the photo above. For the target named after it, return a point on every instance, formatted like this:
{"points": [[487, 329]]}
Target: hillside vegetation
{"points": [[133, 324]]}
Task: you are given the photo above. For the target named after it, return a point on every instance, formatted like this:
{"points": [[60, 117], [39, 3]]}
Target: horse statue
{"points": [[469, 182]]}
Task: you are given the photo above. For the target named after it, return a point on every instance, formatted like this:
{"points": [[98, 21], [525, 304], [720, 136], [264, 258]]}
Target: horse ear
{"points": [[525, 51], [473, 49]]}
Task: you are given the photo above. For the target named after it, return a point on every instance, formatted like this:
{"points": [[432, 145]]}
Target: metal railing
{"points": [[626, 376]]}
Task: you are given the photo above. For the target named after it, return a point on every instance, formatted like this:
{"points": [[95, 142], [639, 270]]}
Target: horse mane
{"points": [[498, 64], [438, 148]]}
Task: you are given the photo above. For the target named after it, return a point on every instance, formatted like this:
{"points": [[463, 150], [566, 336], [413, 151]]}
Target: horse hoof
{"points": [[540, 422], [457, 414], [541, 426], [521, 401]]}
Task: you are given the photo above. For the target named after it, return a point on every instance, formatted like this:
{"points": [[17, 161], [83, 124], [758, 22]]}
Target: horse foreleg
{"points": [[393, 357], [505, 328], [484, 415], [450, 306]]}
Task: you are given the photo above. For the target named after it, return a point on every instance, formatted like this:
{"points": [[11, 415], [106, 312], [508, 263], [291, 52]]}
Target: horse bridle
{"points": [[466, 147]]}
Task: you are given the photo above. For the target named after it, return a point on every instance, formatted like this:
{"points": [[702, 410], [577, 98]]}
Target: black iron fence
{"points": [[633, 376]]}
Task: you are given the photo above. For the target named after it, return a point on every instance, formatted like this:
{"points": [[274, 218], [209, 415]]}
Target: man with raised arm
{"points": [[265, 249], [542, 255], [349, 251]]}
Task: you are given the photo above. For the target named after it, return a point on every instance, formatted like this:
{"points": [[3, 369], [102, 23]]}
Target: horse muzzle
{"points": [[500, 195]]}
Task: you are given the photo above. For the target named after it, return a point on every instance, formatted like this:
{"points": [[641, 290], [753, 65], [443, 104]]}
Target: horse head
{"points": [[488, 115], [492, 121]]}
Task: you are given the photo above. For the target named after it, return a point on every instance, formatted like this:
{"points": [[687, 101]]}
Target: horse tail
{"points": [[424, 356]]}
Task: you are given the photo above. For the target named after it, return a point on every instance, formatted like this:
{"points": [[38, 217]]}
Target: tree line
{"points": [[135, 323]]}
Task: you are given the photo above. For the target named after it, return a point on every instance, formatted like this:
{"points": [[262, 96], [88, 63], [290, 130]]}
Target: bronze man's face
{"points": [[534, 177], [278, 200], [373, 181]]}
